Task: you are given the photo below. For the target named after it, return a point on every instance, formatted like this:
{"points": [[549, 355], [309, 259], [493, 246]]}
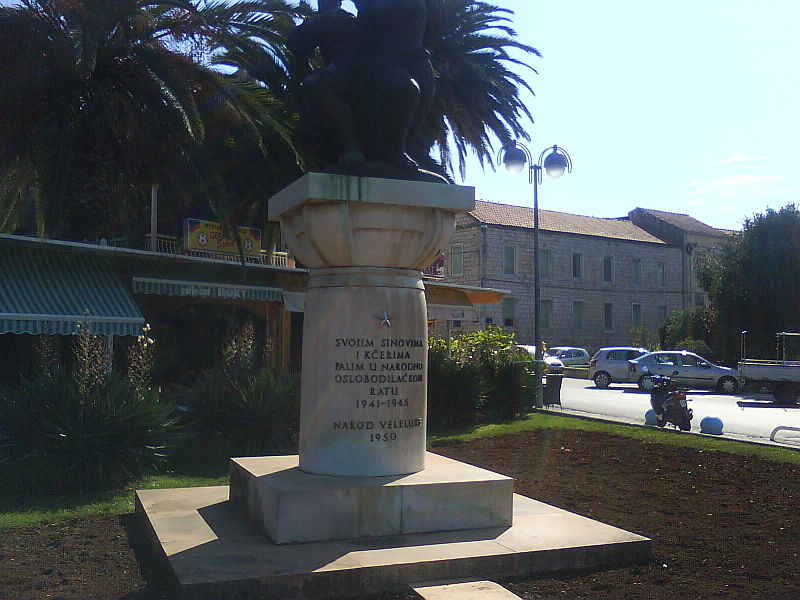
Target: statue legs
{"points": [[336, 115], [391, 100]]}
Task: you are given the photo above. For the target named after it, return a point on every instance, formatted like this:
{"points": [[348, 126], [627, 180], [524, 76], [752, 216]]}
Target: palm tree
{"points": [[105, 97], [477, 93]]}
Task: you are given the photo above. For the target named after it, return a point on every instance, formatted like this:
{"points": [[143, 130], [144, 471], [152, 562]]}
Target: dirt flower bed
{"points": [[723, 526]]}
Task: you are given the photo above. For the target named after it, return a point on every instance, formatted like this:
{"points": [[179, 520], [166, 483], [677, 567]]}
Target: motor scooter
{"points": [[669, 403]]}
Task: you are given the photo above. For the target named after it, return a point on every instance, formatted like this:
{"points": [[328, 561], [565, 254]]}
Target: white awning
{"points": [[450, 312]]}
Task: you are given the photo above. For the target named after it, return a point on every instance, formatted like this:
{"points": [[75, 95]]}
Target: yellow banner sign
{"points": [[208, 236]]}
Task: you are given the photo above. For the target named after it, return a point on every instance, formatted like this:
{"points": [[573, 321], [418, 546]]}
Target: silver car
{"points": [[552, 364], [570, 356], [686, 368], [610, 365]]}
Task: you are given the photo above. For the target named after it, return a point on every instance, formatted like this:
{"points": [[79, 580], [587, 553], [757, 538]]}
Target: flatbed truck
{"points": [[781, 376]]}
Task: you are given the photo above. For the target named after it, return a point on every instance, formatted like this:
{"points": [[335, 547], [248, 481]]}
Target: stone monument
{"points": [[363, 469], [363, 507]]}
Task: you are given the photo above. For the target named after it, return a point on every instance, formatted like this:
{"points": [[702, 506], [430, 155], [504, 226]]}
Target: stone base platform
{"points": [[212, 551], [292, 506]]}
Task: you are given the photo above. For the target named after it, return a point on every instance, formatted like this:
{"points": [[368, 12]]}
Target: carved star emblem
{"points": [[385, 319]]}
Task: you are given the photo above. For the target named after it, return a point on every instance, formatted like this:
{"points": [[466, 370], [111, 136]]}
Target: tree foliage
{"points": [[104, 98], [694, 324], [477, 92], [754, 285]]}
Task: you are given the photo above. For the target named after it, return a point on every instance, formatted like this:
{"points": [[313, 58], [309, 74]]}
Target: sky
{"points": [[687, 106], [683, 106]]}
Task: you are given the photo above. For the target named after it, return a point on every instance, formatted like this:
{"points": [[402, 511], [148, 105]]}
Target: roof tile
{"points": [[687, 223], [494, 213]]}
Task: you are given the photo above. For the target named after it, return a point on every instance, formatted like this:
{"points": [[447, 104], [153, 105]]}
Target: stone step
{"points": [[478, 589]]}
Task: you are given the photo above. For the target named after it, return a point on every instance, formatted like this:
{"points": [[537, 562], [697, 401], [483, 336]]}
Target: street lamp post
{"points": [[555, 161]]}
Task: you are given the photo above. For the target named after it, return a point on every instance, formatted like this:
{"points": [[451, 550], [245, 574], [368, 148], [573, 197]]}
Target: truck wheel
{"points": [[645, 383], [784, 393], [602, 379], [728, 385]]}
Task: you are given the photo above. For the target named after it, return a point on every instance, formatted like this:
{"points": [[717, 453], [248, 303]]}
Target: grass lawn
{"points": [[188, 468], [722, 515]]}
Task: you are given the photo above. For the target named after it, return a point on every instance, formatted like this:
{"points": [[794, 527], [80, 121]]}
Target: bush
{"points": [[511, 386], [246, 413], [482, 346], [58, 434], [696, 346], [687, 324], [484, 379], [455, 390], [641, 337]]}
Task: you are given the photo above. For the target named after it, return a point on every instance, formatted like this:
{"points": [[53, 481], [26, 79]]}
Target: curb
{"points": [[733, 437]]}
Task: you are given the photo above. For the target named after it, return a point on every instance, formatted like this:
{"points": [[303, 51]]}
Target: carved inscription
{"points": [[382, 372]]}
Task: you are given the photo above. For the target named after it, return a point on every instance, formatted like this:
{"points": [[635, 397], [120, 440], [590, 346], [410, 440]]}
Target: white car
{"points": [[553, 364], [610, 365], [687, 369], [570, 356]]}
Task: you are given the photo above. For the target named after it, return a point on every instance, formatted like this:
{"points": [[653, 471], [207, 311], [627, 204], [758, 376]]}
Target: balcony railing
{"points": [[167, 244]]}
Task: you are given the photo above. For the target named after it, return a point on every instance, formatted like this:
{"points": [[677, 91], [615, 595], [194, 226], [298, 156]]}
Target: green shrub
{"points": [[483, 345], [455, 390], [685, 324], [57, 433], [20, 417], [696, 346], [641, 337], [265, 415], [246, 413], [484, 379], [511, 386]]}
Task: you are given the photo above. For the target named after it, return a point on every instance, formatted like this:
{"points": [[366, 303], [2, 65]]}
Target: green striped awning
{"points": [[204, 289], [44, 291]]}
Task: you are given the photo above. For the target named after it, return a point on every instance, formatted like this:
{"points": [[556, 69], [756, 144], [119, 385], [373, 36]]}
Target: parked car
{"points": [[610, 365], [570, 356], [552, 364], [686, 368]]}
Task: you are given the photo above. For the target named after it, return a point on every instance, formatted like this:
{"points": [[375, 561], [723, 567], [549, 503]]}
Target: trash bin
{"points": [[552, 389]]}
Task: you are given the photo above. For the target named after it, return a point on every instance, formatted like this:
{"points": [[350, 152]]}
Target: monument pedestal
{"points": [[364, 508], [290, 505], [212, 550], [365, 347]]}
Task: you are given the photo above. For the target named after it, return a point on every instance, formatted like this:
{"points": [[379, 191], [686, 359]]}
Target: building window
{"points": [[699, 300], [544, 264], [608, 269], [636, 272], [577, 314], [662, 315], [456, 323], [662, 274], [636, 315], [545, 312], [509, 260], [508, 312], [576, 265], [457, 260], [608, 316]]}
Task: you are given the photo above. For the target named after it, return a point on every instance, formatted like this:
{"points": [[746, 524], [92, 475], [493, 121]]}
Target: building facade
{"points": [[600, 278], [693, 237]]}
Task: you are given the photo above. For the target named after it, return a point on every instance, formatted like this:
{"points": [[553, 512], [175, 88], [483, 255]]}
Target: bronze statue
{"points": [[370, 98]]}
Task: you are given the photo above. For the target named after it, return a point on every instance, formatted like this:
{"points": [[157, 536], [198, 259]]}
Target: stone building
{"points": [[693, 237], [599, 277]]}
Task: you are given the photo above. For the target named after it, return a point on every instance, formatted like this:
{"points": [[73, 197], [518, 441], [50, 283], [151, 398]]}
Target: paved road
{"points": [[751, 416]]}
